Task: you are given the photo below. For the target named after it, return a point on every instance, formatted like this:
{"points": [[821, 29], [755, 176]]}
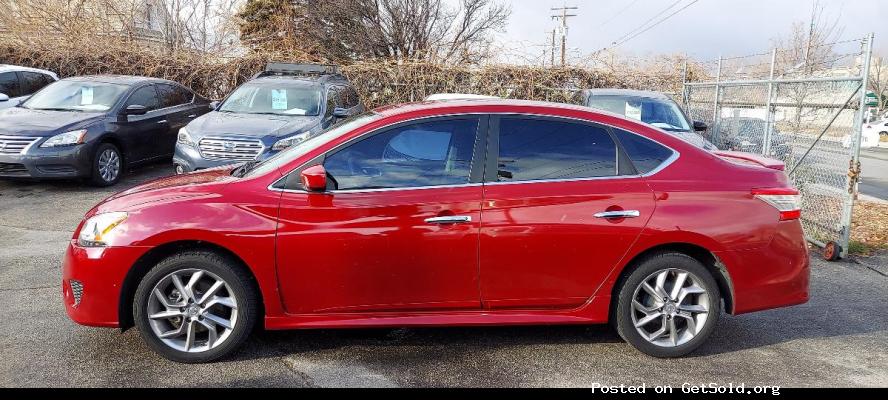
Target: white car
{"points": [[870, 136], [18, 83]]}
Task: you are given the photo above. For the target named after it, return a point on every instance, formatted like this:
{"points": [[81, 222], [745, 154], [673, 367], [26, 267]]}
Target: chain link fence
{"points": [[810, 118]]}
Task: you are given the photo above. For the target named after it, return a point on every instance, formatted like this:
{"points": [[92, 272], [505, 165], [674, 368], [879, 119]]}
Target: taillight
{"points": [[786, 200]]}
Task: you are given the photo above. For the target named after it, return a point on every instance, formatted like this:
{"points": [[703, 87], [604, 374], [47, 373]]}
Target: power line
{"points": [[613, 17], [631, 36], [649, 20], [563, 18]]}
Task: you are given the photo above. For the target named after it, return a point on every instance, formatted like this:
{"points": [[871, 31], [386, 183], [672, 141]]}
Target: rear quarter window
{"points": [[645, 154]]}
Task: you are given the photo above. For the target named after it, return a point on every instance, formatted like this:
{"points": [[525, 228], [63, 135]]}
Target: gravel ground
{"points": [[840, 338]]}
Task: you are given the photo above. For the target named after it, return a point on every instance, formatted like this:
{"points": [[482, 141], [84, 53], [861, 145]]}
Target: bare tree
{"points": [[878, 82], [352, 30]]}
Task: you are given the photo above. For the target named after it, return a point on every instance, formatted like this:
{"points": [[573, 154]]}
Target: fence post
{"points": [[716, 112], [684, 85], [854, 167], [769, 117]]}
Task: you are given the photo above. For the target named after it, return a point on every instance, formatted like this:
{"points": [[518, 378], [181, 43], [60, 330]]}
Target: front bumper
{"points": [[63, 162], [191, 160], [92, 279]]}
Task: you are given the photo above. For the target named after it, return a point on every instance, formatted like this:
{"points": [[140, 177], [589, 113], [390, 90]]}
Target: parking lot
{"points": [[837, 339]]}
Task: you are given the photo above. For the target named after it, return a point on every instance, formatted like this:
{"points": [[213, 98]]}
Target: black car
{"points": [[748, 134], [94, 127]]}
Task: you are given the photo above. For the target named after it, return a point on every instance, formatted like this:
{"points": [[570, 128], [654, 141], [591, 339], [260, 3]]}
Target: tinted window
{"points": [[171, 96], [424, 154], [9, 84], [144, 96], [532, 149], [34, 81], [645, 154]]}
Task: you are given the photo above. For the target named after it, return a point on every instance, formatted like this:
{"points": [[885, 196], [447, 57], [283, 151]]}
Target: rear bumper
{"points": [[774, 276], [67, 162], [97, 274]]}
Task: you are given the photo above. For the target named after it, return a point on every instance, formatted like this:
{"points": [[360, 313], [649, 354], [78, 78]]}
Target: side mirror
{"points": [[214, 105], [314, 179], [700, 126], [135, 109], [340, 112], [4, 97]]}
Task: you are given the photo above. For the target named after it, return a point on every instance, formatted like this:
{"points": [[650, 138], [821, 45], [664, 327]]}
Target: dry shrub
{"points": [[378, 82]]}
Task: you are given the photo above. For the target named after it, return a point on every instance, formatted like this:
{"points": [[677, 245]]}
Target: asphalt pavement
{"points": [[874, 172], [837, 339]]}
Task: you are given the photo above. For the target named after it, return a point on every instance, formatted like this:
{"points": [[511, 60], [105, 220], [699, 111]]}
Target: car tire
{"points": [[107, 165], [636, 305], [234, 302]]}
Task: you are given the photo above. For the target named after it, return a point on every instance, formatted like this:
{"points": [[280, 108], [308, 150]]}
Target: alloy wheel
{"points": [[192, 310], [670, 307], [109, 165]]}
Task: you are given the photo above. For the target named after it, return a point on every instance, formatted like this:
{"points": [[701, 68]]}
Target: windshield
{"points": [[662, 114], [76, 96], [279, 98], [292, 153]]}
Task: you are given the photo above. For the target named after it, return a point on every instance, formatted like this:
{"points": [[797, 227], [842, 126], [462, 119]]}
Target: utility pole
{"points": [[553, 47], [562, 17]]}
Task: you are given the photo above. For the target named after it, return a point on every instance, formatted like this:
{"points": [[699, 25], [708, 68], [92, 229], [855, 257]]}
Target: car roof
{"points": [[307, 79], [118, 79], [431, 106], [7, 67], [625, 92]]}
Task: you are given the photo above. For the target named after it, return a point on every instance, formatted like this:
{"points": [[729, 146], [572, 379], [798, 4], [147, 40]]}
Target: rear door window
{"points": [[647, 155], [171, 95], [542, 149]]}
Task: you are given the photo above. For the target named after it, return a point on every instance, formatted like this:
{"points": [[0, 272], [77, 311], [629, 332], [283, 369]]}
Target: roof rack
{"points": [[282, 68]]}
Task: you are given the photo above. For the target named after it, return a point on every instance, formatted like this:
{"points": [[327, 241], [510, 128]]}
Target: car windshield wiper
{"points": [[244, 169]]}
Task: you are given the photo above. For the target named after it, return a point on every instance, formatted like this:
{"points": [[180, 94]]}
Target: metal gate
{"points": [[808, 116]]}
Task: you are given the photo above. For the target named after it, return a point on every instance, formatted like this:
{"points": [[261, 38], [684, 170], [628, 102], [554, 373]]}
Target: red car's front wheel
{"points": [[195, 307]]}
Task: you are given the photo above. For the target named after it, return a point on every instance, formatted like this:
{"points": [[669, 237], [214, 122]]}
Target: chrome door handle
{"points": [[163, 121], [618, 214], [456, 219], [191, 116]]}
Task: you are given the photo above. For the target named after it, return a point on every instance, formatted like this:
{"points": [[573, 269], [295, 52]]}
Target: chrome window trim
{"points": [[665, 164]]}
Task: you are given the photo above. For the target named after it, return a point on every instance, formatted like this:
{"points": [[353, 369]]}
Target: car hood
{"points": [[169, 189], [257, 125], [17, 121]]}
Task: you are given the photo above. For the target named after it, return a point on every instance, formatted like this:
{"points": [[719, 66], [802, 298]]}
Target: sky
{"points": [[704, 30]]}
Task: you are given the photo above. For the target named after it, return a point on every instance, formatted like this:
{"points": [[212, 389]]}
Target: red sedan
{"points": [[484, 212]]}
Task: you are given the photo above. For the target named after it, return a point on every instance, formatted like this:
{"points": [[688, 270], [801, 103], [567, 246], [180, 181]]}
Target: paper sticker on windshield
{"points": [[86, 95], [633, 112], [279, 99]]}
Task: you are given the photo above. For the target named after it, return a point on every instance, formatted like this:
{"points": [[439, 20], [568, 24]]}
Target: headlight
{"points": [[66, 139], [97, 230], [184, 138], [289, 142]]}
